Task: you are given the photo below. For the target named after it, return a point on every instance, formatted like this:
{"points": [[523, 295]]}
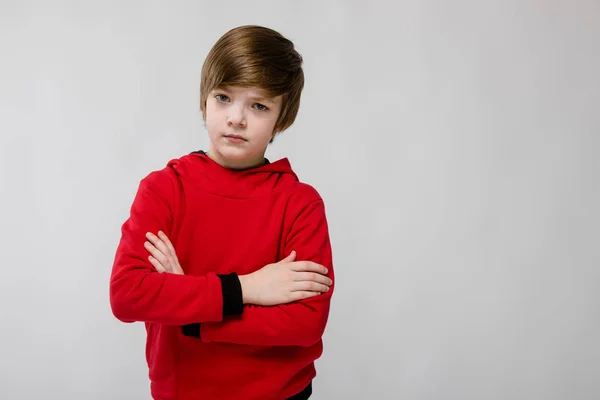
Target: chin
{"points": [[234, 153]]}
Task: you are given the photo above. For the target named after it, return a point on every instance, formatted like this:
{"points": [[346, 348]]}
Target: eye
{"points": [[222, 98], [260, 107]]}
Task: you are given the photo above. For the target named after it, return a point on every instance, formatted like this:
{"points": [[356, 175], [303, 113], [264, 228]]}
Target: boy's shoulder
{"points": [[164, 180], [306, 193], [168, 173]]}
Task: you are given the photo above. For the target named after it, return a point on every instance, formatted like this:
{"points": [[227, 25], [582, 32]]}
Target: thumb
{"points": [[289, 258], [177, 269]]}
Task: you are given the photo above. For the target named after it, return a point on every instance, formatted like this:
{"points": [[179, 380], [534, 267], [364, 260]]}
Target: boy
{"points": [[207, 257]]}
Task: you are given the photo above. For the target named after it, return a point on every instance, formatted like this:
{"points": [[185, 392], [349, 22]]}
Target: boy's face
{"points": [[240, 123]]}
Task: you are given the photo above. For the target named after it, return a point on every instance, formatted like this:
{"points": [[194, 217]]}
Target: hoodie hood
{"points": [[200, 171]]}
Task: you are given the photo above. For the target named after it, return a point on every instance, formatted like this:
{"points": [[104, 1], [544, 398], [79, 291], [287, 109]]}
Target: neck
{"points": [[234, 164]]}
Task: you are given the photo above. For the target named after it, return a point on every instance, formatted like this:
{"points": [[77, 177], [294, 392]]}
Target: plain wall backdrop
{"points": [[456, 145]]}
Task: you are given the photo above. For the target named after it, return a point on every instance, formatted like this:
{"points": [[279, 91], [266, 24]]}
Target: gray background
{"points": [[455, 144]]}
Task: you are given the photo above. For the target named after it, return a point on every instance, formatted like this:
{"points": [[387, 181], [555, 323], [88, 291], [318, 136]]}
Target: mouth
{"points": [[235, 137]]}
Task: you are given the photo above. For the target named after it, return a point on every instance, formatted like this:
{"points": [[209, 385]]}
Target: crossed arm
{"points": [[284, 304], [294, 314]]}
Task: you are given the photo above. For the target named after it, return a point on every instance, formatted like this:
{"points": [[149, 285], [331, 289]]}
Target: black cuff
{"points": [[304, 394], [191, 330], [232, 294]]}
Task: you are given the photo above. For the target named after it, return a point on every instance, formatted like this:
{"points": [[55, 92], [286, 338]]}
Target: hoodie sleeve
{"points": [[137, 291], [300, 323]]}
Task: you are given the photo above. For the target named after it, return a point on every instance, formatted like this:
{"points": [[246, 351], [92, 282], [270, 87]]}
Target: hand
{"points": [[162, 254], [284, 282]]}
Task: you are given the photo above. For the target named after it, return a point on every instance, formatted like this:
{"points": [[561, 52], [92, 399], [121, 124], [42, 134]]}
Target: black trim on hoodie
{"points": [[232, 294], [204, 153], [192, 330], [303, 395]]}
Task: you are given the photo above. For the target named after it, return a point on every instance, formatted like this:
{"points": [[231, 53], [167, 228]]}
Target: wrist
{"points": [[245, 283]]}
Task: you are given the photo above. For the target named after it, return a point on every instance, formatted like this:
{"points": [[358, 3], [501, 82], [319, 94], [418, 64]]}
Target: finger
{"points": [[308, 266], [158, 255], [158, 243], [301, 295], [157, 266], [177, 269], [289, 258], [308, 286], [312, 276], [162, 236], [174, 261]]}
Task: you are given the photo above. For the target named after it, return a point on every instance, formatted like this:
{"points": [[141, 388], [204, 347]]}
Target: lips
{"points": [[237, 137]]}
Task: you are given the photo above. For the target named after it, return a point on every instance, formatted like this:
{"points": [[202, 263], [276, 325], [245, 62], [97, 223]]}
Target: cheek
{"points": [[212, 118], [270, 125]]}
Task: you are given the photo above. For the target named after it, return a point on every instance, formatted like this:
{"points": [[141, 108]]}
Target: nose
{"points": [[236, 116]]}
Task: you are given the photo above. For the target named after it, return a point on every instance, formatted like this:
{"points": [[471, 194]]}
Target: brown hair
{"points": [[255, 56]]}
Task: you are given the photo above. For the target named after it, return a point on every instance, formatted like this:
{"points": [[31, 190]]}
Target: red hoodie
{"points": [[202, 343]]}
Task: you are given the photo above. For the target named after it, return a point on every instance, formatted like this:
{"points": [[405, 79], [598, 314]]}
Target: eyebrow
{"points": [[259, 99], [262, 99]]}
